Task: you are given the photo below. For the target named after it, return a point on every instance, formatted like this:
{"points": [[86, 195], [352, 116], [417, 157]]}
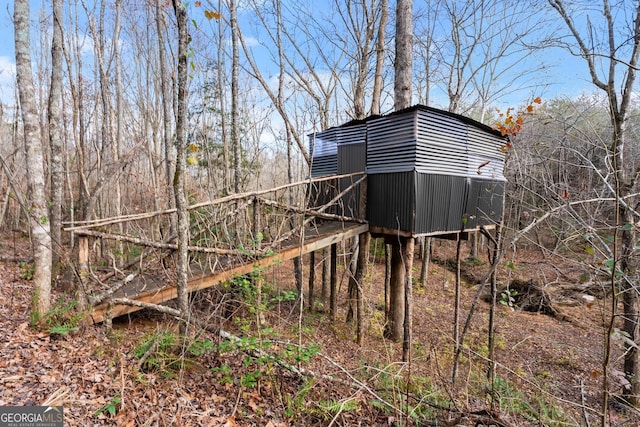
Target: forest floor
{"points": [[293, 369]]}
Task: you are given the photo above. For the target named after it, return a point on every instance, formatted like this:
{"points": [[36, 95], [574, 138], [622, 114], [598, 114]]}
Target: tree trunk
{"points": [[235, 136], [402, 99], [37, 210], [312, 279], [404, 57], [426, 260], [333, 291], [326, 275], [181, 165], [409, 247], [361, 272], [56, 144], [394, 329], [169, 153], [378, 80], [115, 150]]}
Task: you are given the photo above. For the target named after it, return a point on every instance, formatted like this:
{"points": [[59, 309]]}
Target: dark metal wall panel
{"points": [[490, 195], [441, 203], [391, 200], [351, 158]]}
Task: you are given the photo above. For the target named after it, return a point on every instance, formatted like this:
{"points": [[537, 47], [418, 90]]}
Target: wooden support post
{"points": [[456, 314], [352, 292], [326, 275], [396, 317], [361, 272], [312, 277], [257, 239], [83, 255], [83, 267], [333, 292], [387, 279], [409, 248], [475, 242], [426, 259]]}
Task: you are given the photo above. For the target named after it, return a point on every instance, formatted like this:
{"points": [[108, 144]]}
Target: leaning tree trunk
{"points": [[37, 208], [181, 166]]}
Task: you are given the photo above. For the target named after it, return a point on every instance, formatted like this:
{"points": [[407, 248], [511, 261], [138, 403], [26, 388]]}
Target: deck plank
{"points": [[315, 238]]}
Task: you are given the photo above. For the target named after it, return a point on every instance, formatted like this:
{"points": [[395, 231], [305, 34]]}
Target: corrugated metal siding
{"points": [[422, 167], [441, 203], [323, 147], [489, 200], [351, 158], [324, 166], [442, 144], [353, 134], [484, 146], [391, 144], [391, 200]]}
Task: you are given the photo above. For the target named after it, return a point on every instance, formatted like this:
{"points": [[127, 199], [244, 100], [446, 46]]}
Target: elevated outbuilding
{"points": [[429, 172]]}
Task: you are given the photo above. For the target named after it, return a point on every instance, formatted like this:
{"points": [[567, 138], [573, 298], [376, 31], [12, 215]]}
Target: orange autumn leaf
{"points": [[530, 109], [537, 100], [209, 14]]}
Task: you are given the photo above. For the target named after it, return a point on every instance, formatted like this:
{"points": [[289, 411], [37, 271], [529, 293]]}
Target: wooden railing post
{"points": [[312, 277], [83, 270], [333, 292], [256, 224]]}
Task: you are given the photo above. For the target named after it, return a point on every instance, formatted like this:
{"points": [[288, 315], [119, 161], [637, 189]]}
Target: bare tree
{"points": [[485, 55], [604, 57], [235, 68], [398, 323], [37, 210], [181, 164], [404, 54], [362, 22], [169, 154], [378, 82], [56, 144]]}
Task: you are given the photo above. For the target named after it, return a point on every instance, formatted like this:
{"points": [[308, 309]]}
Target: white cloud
{"points": [[7, 79]]}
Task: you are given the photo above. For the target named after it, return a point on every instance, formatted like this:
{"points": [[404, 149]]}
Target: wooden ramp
{"points": [[314, 238]]}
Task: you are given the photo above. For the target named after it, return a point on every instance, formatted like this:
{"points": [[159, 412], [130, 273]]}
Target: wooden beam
{"points": [[167, 293], [377, 231]]}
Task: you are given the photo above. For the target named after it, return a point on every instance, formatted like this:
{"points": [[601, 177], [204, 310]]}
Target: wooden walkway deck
{"points": [[314, 238]]}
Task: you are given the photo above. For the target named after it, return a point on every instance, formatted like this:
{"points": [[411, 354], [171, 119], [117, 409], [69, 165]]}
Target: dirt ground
{"points": [[288, 368]]}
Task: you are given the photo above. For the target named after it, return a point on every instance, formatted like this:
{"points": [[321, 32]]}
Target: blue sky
{"points": [[567, 79]]}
